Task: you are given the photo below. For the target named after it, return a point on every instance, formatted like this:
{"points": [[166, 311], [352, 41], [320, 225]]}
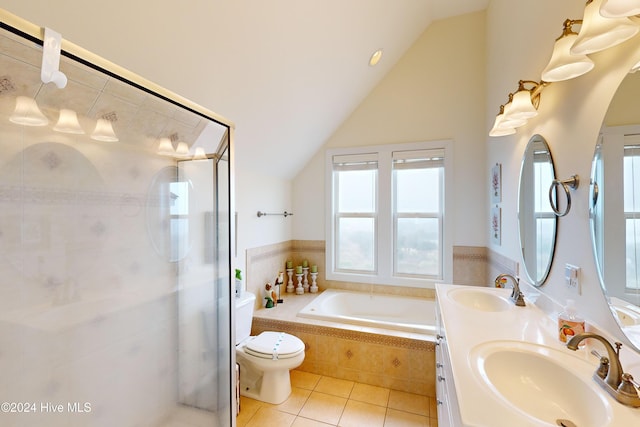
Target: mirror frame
{"points": [[540, 279]]}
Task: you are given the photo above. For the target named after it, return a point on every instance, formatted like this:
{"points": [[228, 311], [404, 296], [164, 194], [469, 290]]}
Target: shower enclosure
{"points": [[115, 247]]}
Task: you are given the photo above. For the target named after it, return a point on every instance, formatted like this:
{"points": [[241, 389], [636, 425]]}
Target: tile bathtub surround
{"points": [[472, 265], [395, 360], [318, 400]]}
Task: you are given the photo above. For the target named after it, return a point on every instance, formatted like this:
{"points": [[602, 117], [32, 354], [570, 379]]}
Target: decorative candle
{"points": [[289, 264], [314, 268], [299, 269], [305, 264]]}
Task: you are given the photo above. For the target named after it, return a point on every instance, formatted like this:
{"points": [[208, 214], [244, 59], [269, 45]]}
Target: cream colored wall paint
{"points": [[160, 57], [569, 118], [436, 91]]}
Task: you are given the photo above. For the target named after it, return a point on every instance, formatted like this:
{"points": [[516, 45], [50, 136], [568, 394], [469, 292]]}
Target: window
{"points": [[385, 213], [631, 193]]}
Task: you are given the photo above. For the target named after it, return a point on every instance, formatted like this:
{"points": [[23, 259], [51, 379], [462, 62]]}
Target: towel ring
{"points": [[572, 182]]}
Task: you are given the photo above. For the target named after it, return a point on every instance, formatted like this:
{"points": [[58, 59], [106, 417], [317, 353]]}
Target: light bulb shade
{"points": [[563, 65], [619, 8], [182, 150], [496, 130], [104, 131], [27, 113], [199, 154], [520, 107], [598, 33], [165, 148], [68, 122]]}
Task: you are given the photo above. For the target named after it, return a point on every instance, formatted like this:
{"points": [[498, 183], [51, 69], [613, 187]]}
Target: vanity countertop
{"points": [[468, 329]]}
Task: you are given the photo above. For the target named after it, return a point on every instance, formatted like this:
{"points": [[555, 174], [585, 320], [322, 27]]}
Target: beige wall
{"points": [[520, 40], [436, 91]]}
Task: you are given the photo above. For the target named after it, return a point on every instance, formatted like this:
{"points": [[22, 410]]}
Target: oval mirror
{"points": [[536, 220], [615, 207]]}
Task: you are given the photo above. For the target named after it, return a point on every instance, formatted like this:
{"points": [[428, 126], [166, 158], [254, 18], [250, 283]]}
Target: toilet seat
{"points": [[274, 345]]}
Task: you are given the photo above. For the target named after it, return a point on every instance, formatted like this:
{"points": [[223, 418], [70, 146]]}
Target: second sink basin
{"points": [[541, 382], [480, 299]]}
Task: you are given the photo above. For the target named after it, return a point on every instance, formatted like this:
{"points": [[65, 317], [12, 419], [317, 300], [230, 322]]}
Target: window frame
{"points": [[385, 224]]}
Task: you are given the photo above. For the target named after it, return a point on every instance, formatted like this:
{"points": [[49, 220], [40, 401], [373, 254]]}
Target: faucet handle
{"points": [[627, 387]]}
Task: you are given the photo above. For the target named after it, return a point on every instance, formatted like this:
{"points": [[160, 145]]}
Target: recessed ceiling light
{"points": [[375, 57]]}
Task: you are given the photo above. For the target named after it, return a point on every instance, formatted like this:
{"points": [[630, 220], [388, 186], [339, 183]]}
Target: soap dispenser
{"points": [[570, 323]]}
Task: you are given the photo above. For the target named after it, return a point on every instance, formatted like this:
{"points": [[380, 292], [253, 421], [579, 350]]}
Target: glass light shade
{"points": [[68, 122], [563, 65], [165, 147], [27, 113], [598, 33], [619, 8], [520, 106], [199, 154], [104, 131], [497, 130], [182, 150]]}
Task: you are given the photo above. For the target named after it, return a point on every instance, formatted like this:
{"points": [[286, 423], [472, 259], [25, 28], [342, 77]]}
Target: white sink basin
{"points": [[480, 300], [542, 383]]}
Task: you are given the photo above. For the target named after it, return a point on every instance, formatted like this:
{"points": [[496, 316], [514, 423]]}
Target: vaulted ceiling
{"points": [[286, 72]]}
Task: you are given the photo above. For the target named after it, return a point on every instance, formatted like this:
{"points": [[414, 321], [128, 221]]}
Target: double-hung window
{"points": [[385, 214]]}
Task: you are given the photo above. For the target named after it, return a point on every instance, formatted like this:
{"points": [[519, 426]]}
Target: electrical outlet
{"points": [[572, 278]]}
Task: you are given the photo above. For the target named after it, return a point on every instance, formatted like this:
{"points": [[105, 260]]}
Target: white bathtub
{"points": [[398, 313]]}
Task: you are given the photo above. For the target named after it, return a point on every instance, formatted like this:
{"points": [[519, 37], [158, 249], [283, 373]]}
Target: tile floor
{"points": [[320, 401]]}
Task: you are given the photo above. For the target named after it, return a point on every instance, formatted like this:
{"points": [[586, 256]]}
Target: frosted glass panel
{"points": [[114, 255]]}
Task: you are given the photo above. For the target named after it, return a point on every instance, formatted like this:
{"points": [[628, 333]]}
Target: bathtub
{"points": [[408, 314]]}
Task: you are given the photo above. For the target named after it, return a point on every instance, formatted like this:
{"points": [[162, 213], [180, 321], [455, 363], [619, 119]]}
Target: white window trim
{"points": [[384, 275]]}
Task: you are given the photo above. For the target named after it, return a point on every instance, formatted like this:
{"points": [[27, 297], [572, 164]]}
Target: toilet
{"points": [[266, 359]]}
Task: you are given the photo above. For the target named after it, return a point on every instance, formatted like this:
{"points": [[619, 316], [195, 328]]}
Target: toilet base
{"points": [[273, 387], [263, 382]]}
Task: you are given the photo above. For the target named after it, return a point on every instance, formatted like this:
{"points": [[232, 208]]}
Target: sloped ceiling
{"points": [[286, 72]]}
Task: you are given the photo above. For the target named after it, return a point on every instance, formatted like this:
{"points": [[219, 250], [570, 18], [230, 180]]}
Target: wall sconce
{"points": [[521, 106], [199, 154], [27, 113], [499, 128], [598, 33], [104, 131], [182, 150], [619, 8], [605, 24], [68, 122], [564, 65], [165, 148]]}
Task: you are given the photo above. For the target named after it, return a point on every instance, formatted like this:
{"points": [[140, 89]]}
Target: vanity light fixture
{"points": [[27, 113], [182, 150], [375, 58], [500, 129], [564, 65], [165, 148], [521, 105], [68, 122], [619, 8], [199, 154], [598, 33], [104, 131]]}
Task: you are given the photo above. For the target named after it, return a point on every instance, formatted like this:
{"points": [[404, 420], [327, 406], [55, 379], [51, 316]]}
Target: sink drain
{"points": [[565, 423]]}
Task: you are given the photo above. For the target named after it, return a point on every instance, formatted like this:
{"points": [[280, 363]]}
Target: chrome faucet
{"points": [[609, 374], [516, 296]]}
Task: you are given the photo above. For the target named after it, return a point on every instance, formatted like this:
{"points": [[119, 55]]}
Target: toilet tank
{"points": [[244, 315]]}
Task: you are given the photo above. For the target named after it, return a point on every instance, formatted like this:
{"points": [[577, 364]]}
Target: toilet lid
{"points": [[274, 345]]}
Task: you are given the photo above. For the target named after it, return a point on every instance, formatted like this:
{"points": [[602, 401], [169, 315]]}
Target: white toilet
{"points": [[266, 359]]}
